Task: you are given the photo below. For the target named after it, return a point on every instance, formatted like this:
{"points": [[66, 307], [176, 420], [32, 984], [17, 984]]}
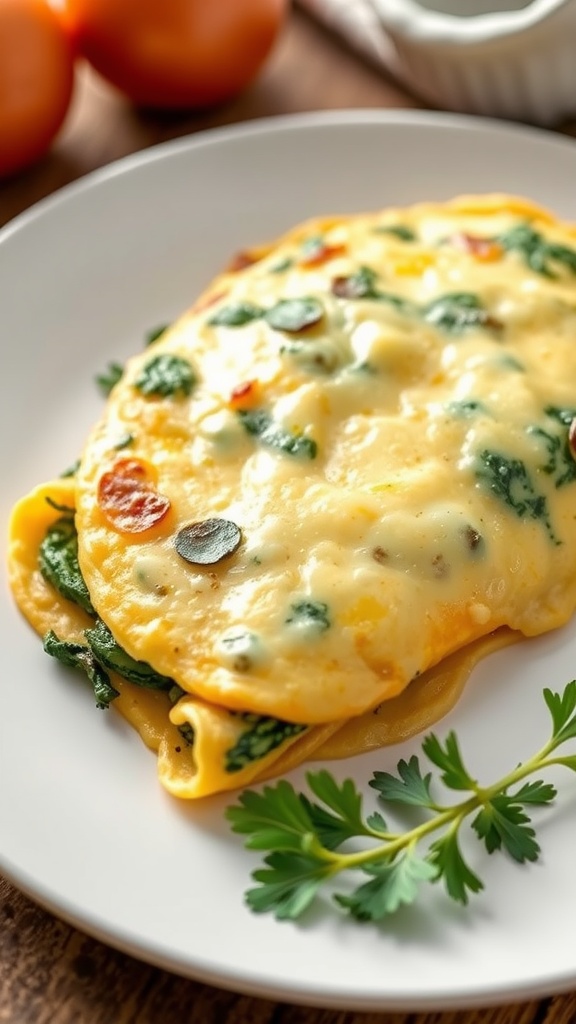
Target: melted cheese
{"points": [[189, 771], [380, 405]]}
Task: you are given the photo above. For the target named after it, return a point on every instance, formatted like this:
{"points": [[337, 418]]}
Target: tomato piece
{"points": [[485, 249], [245, 395], [36, 81], [322, 254], [129, 500], [176, 53]]}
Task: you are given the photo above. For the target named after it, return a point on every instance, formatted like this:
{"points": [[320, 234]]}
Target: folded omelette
{"points": [[313, 502]]}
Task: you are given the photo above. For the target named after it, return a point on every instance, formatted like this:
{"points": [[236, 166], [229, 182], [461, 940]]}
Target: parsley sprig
{"points": [[303, 836]]}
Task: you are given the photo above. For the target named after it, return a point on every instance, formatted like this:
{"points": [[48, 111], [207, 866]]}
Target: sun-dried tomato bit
{"points": [[245, 395], [572, 438], [208, 541], [205, 301], [241, 260], [484, 249], [128, 498], [315, 252]]}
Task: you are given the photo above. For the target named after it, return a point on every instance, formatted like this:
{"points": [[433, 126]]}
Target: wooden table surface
{"points": [[49, 972]]}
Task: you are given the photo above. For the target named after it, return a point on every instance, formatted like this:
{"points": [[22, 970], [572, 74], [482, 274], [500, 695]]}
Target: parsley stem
{"points": [[392, 843]]}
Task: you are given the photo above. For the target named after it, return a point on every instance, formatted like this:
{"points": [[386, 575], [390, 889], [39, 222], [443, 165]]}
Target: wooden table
{"points": [[50, 973]]}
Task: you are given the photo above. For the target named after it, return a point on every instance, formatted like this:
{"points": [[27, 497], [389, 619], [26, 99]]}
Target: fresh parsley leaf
{"points": [[288, 884], [448, 758], [503, 822], [305, 838], [394, 883], [408, 787], [562, 708], [445, 855], [276, 818]]}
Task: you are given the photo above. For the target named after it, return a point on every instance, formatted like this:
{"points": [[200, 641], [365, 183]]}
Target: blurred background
{"points": [[83, 82]]}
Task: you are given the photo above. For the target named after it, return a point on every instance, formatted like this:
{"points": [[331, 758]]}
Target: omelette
{"points": [[313, 503]]}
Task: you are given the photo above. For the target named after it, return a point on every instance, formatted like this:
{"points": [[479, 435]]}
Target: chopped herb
{"points": [[312, 247], [310, 613], [108, 380], [294, 315], [187, 733], [302, 836], [260, 424], [262, 735], [166, 376], [466, 408], [538, 254], [108, 653], [401, 231], [208, 542], [71, 471], [240, 649], [362, 284], [151, 336], [509, 480], [456, 312], [77, 656], [508, 362], [58, 561], [359, 285], [67, 510], [124, 442], [235, 316], [282, 265], [561, 464]]}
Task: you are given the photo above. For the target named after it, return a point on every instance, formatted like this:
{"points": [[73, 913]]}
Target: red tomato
{"points": [[176, 53], [36, 79], [128, 498]]}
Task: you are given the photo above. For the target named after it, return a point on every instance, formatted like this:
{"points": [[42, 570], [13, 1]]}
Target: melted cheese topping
{"points": [[191, 770], [373, 417]]}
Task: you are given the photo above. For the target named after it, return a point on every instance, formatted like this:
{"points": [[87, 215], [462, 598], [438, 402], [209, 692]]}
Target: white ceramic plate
{"points": [[84, 826]]}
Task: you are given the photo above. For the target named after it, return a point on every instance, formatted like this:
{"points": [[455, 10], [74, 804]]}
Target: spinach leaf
{"points": [[58, 562], [510, 481], [166, 376], [263, 735], [77, 656], [107, 380], [260, 424], [156, 332], [561, 464], [294, 315], [236, 315], [538, 254], [314, 613], [108, 653], [456, 312], [401, 231]]}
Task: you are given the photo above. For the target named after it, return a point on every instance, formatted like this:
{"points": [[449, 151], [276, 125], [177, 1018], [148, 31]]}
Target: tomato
{"points": [[36, 81], [129, 500], [176, 53]]}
